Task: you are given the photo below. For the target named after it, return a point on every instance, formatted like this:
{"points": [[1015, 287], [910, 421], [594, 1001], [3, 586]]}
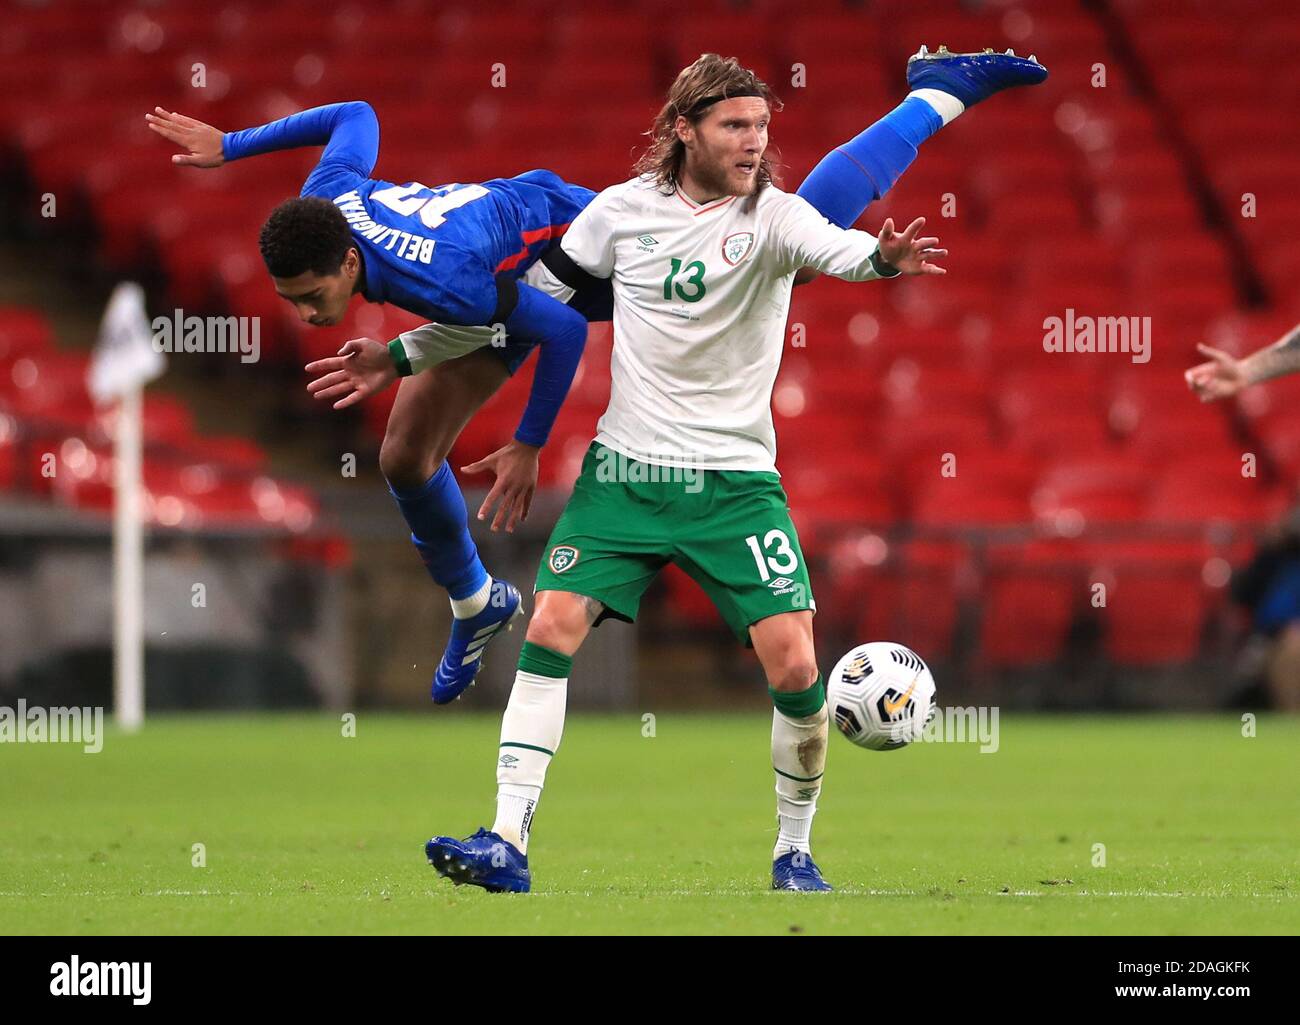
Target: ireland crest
{"points": [[736, 247], [562, 557]]}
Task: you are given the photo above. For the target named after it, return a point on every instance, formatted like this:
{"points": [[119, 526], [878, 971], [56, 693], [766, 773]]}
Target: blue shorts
{"points": [[595, 302], [545, 198]]}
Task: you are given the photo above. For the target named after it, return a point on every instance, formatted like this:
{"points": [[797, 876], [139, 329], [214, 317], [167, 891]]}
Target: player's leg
{"points": [[534, 718], [854, 175], [784, 645], [431, 410], [531, 728], [1283, 672], [429, 413], [603, 553], [742, 548]]}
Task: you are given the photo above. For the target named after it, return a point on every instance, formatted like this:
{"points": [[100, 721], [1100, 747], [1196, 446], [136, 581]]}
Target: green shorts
{"points": [[729, 530]]}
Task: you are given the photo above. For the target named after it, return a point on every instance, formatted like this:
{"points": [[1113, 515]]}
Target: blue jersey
{"points": [[436, 251], [439, 251], [444, 253]]}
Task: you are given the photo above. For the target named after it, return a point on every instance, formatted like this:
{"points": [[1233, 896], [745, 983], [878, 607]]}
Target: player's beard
{"points": [[714, 176]]}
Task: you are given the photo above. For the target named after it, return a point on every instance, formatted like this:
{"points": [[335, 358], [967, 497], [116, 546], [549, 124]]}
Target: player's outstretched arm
{"points": [[363, 367], [805, 239], [1223, 375], [560, 333], [201, 142], [906, 252], [348, 131]]}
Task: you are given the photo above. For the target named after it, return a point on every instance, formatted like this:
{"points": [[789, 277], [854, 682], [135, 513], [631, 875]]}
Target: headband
{"points": [[701, 105]]}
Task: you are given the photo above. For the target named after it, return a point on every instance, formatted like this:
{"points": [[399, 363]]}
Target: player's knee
{"points": [[559, 622], [792, 671], [404, 463]]}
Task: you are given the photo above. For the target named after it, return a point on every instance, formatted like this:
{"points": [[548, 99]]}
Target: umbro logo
{"points": [[647, 240], [507, 760], [780, 582]]}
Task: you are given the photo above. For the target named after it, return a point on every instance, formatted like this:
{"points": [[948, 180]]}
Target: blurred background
{"points": [[1099, 545]]}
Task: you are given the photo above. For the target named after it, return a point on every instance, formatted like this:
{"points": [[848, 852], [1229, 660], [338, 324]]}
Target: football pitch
{"points": [[305, 831]]}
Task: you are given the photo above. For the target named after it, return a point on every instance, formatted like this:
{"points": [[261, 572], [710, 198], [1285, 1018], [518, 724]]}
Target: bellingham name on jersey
{"points": [[464, 235], [454, 254], [411, 247], [436, 252]]}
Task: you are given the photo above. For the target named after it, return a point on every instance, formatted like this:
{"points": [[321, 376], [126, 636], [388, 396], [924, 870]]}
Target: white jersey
{"points": [[701, 296]]}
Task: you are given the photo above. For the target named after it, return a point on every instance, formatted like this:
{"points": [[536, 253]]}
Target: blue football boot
{"points": [[464, 655], [972, 77], [795, 870], [483, 859]]}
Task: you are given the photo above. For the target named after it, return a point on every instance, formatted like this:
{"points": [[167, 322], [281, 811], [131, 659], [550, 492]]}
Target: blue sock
{"points": [[440, 529], [854, 175]]}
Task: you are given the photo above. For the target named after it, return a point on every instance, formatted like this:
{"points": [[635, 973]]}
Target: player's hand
{"points": [[515, 467], [908, 253], [1221, 377], [362, 368], [201, 142]]}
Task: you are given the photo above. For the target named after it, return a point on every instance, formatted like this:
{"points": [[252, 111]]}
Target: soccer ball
{"points": [[881, 695]]}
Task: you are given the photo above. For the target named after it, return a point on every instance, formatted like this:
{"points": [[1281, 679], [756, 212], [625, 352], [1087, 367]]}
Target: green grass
{"points": [[308, 832]]}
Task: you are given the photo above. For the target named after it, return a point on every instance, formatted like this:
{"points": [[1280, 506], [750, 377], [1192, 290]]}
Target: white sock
{"points": [[530, 735], [796, 828], [465, 608], [515, 805], [799, 760], [946, 105]]}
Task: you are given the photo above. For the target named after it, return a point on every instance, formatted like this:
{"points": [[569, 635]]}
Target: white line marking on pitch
{"points": [[680, 893]]}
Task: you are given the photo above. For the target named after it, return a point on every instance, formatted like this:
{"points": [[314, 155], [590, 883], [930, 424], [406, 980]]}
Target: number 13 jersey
{"points": [[701, 296]]}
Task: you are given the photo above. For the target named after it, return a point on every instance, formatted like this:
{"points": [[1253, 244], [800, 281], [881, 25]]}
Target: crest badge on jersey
{"points": [[736, 247], [563, 557]]}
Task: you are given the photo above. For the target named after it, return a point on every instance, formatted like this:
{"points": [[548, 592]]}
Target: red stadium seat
{"points": [[1139, 399], [1211, 488], [913, 598], [911, 390], [750, 39], [9, 457], [23, 332], [834, 495], [51, 386], [1065, 433], [959, 503], [1093, 490], [237, 454], [1189, 432], [164, 420], [687, 602], [1156, 600], [1029, 596]]}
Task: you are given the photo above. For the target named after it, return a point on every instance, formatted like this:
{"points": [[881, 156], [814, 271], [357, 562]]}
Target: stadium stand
{"points": [[1114, 190]]}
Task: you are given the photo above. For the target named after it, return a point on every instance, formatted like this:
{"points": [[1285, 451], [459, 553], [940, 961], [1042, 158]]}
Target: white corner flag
{"points": [[124, 361]]}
